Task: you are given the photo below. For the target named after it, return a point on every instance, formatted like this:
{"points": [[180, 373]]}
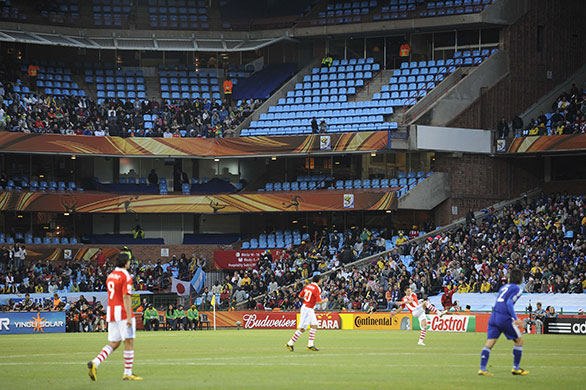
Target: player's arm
{"points": [[511, 309], [399, 309], [127, 300]]}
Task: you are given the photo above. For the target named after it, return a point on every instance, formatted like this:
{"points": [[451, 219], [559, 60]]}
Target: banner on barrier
{"points": [[380, 321], [32, 322], [241, 259], [575, 326], [329, 320], [457, 323]]}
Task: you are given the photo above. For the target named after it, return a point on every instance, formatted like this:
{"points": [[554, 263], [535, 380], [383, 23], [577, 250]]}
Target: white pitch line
{"points": [[272, 364]]}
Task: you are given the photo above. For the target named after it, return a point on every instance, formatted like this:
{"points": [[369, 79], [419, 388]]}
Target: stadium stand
{"points": [[568, 116], [189, 84], [178, 14]]}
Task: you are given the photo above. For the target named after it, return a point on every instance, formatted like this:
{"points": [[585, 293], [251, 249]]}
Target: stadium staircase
{"points": [[152, 86], [90, 93], [458, 91], [372, 86], [279, 94]]}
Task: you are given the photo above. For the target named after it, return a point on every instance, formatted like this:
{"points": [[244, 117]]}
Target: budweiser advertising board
{"points": [[269, 320], [457, 323], [241, 259]]}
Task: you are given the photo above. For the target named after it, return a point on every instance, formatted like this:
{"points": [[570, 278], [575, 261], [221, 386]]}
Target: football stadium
{"points": [[273, 194]]}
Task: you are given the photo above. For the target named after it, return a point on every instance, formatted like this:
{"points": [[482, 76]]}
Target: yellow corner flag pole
{"points": [[214, 306]]}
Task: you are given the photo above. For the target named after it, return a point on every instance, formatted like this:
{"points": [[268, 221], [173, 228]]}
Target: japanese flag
{"points": [[180, 287]]}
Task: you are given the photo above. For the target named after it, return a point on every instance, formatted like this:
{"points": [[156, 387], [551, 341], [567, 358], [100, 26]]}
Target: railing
{"points": [[460, 221]]}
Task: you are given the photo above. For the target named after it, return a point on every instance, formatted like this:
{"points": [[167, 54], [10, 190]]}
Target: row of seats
{"points": [[455, 3], [327, 113], [279, 239], [114, 79], [301, 130], [29, 239], [42, 185], [106, 70], [188, 88], [183, 21], [344, 12], [414, 80], [349, 5], [186, 73], [12, 13], [193, 95], [177, 3], [183, 84], [403, 180], [286, 105], [364, 119], [347, 68], [144, 180], [178, 11], [108, 20]]}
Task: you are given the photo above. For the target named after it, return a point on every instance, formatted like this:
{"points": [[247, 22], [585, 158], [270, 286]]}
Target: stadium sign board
{"points": [[574, 326], [456, 323], [326, 320], [269, 320], [241, 259], [32, 322], [378, 321]]}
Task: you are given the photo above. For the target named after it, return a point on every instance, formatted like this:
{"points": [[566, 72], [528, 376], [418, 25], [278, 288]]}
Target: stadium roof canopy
{"points": [[129, 43]]}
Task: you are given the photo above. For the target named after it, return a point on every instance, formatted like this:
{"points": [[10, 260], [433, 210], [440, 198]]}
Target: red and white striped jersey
{"points": [[119, 283], [311, 294], [413, 305]]}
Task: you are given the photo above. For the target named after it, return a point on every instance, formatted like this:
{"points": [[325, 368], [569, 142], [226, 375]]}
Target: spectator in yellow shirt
{"points": [[402, 239], [485, 287]]}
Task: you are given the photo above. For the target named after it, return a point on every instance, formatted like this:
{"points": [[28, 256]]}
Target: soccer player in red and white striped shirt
{"points": [[417, 310], [311, 295], [121, 322]]}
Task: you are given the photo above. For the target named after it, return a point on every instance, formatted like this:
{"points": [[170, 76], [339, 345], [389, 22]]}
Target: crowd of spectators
{"points": [[71, 115], [544, 238], [568, 116]]}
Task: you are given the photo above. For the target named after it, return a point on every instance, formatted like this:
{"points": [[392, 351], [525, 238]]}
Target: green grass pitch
{"points": [[257, 359]]}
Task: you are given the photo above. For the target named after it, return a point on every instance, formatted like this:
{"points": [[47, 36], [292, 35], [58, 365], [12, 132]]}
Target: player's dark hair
{"points": [[516, 276], [121, 260], [316, 278]]}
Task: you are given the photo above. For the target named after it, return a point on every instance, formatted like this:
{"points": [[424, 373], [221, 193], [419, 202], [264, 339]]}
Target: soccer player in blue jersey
{"points": [[504, 320]]}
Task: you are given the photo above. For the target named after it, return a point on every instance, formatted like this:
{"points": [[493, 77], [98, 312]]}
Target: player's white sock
{"points": [[128, 361], [296, 335], [422, 335], [311, 337], [103, 355]]}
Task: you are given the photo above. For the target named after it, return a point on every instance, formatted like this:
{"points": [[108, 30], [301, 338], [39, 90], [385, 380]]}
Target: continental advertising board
{"points": [[32, 322], [450, 323], [375, 321]]}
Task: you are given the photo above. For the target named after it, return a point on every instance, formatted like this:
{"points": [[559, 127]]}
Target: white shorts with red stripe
{"points": [[119, 331], [307, 318], [419, 313]]}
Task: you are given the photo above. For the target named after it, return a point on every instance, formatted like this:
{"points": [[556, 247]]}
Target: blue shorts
{"points": [[498, 324]]}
